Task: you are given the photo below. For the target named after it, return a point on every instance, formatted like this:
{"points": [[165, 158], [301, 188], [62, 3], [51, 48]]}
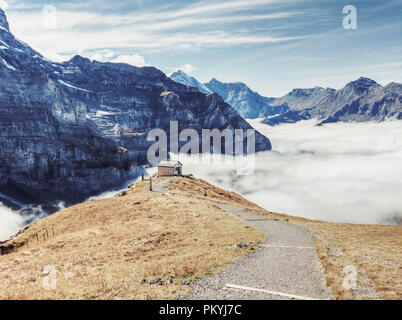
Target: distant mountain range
{"points": [[360, 100], [246, 102], [73, 129]]}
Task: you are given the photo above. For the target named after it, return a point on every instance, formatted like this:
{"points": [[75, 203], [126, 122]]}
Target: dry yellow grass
{"points": [[103, 249], [201, 189], [374, 250]]}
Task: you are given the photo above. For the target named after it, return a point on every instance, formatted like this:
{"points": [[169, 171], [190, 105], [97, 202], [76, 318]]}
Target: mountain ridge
{"points": [[359, 100], [248, 103]]}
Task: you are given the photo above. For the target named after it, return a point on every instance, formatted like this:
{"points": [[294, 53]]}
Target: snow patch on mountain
{"points": [[71, 86], [183, 78]]}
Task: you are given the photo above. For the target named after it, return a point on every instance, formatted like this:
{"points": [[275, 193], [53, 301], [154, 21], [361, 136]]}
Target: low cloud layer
{"points": [[10, 222], [338, 172]]}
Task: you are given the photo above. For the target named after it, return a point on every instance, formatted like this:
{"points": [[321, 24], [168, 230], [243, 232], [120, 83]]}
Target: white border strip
{"points": [[275, 293], [272, 246]]}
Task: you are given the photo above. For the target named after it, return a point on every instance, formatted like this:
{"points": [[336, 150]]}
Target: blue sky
{"points": [[272, 45]]}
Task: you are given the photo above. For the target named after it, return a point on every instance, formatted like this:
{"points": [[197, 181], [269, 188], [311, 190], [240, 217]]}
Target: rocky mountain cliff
{"points": [[73, 129]]}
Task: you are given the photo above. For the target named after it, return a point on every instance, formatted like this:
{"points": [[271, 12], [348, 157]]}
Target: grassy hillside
{"points": [[114, 248], [104, 249]]}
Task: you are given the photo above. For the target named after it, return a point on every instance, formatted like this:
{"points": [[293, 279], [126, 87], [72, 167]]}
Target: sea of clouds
{"points": [[343, 172], [11, 221]]}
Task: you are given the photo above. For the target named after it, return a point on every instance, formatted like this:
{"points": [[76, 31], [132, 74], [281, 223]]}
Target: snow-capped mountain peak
{"points": [[359, 100], [248, 103], [181, 77]]}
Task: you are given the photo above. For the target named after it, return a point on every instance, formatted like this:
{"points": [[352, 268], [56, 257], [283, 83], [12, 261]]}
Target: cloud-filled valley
{"points": [[10, 222], [344, 172]]}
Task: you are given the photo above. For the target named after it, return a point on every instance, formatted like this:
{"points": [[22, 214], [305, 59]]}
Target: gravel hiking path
{"points": [[159, 186], [285, 266]]}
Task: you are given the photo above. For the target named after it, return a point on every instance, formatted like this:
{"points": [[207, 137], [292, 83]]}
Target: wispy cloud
{"points": [[194, 26], [273, 45], [340, 172], [206, 7], [187, 68], [133, 59]]}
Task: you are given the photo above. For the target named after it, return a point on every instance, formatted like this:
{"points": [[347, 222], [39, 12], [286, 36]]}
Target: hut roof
{"points": [[170, 164]]}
